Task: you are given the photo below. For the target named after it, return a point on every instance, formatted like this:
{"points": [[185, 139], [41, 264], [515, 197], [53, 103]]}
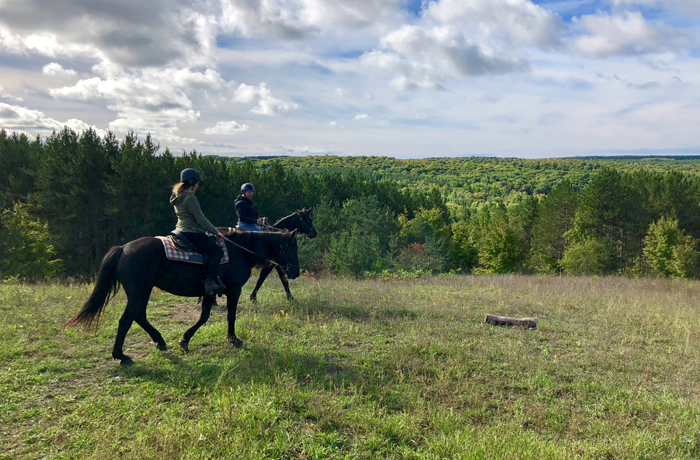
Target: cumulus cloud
{"points": [[5, 95], [423, 58], [129, 32], [606, 35], [266, 104], [147, 100], [361, 116], [299, 19], [55, 69], [518, 21], [14, 117], [333, 124], [226, 128]]}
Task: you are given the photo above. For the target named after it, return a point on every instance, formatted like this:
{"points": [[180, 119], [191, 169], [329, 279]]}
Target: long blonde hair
{"points": [[181, 187]]}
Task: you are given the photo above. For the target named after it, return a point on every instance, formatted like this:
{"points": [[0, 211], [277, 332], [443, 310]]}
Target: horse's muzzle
{"points": [[292, 271]]}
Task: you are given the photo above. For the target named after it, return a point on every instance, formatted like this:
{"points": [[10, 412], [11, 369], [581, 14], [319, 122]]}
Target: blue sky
{"points": [[404, 78]]}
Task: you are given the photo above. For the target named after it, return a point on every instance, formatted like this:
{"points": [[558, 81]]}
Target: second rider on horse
{"points": [[192, 223], [248, 219]]}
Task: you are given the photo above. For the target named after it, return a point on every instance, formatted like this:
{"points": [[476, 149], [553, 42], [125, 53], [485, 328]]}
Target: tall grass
{"points": [[363, 369]]}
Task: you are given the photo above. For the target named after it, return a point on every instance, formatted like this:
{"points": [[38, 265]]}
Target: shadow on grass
{"points": [[260, 365]]}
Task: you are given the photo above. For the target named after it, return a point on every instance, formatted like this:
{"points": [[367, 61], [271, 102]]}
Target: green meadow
{"points": [[402, 369]]}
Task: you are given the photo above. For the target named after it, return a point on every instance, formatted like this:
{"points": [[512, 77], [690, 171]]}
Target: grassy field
{"points": [[363, 369]]}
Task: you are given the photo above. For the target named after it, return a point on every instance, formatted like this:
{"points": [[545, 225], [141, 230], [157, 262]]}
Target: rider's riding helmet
{"points": [[190, 176], [245, 187]]}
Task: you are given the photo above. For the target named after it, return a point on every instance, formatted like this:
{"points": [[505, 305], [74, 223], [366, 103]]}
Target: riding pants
{"points": [[210, 246], [249, 227]]}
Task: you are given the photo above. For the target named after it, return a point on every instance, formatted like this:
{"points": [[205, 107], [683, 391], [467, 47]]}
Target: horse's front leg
{"points": [[285, 283], [261, 279], [207, 302], [232, 296]]}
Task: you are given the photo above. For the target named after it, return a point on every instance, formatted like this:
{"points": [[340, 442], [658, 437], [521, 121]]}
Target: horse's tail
{"points": [[106, 287]]}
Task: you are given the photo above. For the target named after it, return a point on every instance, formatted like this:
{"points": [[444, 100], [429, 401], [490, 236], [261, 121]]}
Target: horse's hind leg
{"points": [[285, 283], [261, 279], [207, 302], [135, 307], [152, 331]]}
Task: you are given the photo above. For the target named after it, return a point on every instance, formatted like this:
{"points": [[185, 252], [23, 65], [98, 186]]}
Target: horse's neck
{"points": [[257, 242], [286, 223]]}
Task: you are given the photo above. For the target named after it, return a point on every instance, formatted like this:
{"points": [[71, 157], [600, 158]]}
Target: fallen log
{"points": [[508, 321]]}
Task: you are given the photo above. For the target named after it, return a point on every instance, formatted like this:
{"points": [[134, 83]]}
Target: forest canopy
{"points": [[66, 199]]}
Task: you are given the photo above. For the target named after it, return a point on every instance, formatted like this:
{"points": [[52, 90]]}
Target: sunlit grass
{"points": [[363, 369]]}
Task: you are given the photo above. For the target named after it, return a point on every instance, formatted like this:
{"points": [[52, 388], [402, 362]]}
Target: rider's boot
{"points": [[210, 286]]}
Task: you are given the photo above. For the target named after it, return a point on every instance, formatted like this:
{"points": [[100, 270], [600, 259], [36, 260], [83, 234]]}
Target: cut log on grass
{"points": [[507, 321]]}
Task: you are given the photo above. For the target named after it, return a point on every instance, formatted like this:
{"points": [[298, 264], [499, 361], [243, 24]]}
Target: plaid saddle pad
{"points": [[173, 253]]}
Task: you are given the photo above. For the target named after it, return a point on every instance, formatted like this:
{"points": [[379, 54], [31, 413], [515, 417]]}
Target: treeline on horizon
{"points": [[65, 200]]}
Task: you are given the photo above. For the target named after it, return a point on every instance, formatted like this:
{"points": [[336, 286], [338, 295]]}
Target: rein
{"points": [[271, 262]]}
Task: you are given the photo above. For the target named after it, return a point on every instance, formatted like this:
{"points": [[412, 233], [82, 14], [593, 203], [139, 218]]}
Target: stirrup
{"points": [[221, 284]]}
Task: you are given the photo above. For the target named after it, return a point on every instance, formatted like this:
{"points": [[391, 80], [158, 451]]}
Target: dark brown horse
{"points": [[302, 221], [141, 265]]}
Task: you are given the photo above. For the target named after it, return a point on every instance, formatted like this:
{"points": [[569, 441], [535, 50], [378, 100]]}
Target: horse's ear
{"points": [[294, 233], [311, 212]]}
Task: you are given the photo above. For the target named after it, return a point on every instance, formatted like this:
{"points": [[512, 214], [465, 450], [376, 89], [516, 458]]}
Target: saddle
{"points": [[178, 247], [181, 242]]}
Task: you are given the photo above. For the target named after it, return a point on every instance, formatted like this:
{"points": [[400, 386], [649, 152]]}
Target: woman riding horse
{"points": [[194, 226], [248, 219]]}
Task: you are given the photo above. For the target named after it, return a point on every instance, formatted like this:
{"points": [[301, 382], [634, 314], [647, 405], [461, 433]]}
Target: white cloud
{"points": [[267, 105], [628, 34], [333, 124], [130, 32], [5, 95], [14, 117], [361, 116], [226, 128], [424, 58], [292, 20], [150, 100], [519, 21], [55, 69]]}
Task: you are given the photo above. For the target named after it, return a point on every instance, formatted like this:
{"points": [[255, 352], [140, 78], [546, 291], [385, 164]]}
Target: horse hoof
{"points": [[162, 346], [236, 342], [254, 300], [126, 362], [184, 345]]}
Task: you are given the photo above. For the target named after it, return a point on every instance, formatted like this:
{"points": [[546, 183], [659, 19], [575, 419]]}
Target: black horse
{"points": [[141, 265], [302, 221]]}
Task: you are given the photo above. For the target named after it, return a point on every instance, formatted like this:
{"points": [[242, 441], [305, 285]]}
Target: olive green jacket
{"points": [[189, 215]]}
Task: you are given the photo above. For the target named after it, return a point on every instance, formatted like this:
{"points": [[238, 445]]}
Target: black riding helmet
{"points": [[190, 176], [245, 187]]}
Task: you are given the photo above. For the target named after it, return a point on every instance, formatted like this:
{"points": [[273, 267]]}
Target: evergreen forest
{"points": [[66, 199]]}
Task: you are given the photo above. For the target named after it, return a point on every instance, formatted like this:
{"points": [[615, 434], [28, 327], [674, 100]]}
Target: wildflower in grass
{"points": [[357, 329], [669, 350], [324, 327], [69, 297], [255, 318]]}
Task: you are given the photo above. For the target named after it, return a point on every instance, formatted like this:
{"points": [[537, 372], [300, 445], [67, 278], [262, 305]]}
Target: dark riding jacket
{"points": [[246, 210]]}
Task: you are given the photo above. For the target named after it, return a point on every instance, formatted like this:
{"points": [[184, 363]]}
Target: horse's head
{"points": [[286, 256], [306, 223]]}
